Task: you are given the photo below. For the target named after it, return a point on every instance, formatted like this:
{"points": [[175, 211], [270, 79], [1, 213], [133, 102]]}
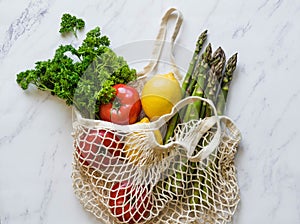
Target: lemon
{"points": [[157, 133], [160, 94], [131, 150]]}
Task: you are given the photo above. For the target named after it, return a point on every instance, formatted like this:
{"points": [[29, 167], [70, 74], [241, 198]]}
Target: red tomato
{"points": [[99, 148], [124, 108], [130, 205]]}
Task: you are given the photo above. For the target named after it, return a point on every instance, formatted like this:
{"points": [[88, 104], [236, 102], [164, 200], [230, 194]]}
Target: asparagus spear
{"points": [[191, 71], [196, 177], [213, 159], [176, 182], [208, 82], [217, 63], [212, 84], [199, 44], [192, 111], [195, 199], [225, 83]]}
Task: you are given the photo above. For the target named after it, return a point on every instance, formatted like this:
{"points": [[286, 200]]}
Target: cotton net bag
{"points": [[191, 179]]}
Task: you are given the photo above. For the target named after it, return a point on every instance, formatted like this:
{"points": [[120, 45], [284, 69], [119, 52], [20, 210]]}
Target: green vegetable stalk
{"points": [[210, 92], [217, 66], [193, 110], [189, 76], [225, 83], [195, 58], [225, 78], [196, 178], [208, 80], [206, 88], [177, 182]]}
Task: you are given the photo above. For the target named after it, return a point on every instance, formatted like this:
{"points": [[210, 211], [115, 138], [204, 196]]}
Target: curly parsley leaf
{"points": [[71, 24]]}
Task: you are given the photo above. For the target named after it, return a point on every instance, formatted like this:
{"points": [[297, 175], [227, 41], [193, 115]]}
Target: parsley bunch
{"points": [[70, 23], [81, 76]]}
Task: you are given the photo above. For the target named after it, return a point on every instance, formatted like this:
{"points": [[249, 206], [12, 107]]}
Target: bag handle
{"points": [[190, 139], [234, 131], [159, 43], [154, 125]]}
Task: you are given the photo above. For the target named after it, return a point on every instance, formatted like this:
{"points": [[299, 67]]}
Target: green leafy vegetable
{"points": [[70, 23], [81, 76], [95, 86]]}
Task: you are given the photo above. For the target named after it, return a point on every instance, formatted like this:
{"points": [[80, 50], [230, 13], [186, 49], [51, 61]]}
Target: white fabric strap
{"points": [[154, 125], [159, 43], [189, 142], [229, 123]]}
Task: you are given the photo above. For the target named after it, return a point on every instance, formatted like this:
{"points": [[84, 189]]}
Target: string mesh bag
{"points": [[124, 174]]}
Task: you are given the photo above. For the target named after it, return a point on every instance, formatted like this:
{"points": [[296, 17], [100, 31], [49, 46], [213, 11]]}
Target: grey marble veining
{"points": [[35, 127], [30, 17]]}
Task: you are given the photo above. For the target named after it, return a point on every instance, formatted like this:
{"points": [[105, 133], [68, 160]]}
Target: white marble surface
{"points": [[35, 140]]}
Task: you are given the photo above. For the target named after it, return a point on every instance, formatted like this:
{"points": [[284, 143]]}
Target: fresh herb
{"points": [[71, 24], [81, 76], [95, 86]]}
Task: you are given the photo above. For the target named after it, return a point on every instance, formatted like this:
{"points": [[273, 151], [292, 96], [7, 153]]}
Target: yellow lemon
{"points": [[157, 133], [131, 149], [160, 94]]}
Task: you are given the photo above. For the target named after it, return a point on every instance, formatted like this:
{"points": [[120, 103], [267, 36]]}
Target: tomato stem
{"points": [[116, 103]]}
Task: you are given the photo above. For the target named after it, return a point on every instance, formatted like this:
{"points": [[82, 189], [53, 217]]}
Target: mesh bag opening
{"points": [[121, 174]]}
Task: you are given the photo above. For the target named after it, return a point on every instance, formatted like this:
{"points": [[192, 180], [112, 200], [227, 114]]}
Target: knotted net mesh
{"points": [[122, 174]]}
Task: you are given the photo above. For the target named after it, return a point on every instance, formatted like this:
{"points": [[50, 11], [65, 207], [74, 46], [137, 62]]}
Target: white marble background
{"points": [[35, 140]]}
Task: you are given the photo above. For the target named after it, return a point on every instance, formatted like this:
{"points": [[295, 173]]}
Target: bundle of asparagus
{"points": [[208, 76], [205, 78]]}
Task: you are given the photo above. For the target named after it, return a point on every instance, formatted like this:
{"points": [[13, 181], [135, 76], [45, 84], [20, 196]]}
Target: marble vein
{"points": [[45, 202], [279, 40], [4, 220], [241, 31], [273, 157], [263, 4], [29, 116], [30, 17], [116, 13], [294, 98], [211, 12], [257, 83], [275, 7]]}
